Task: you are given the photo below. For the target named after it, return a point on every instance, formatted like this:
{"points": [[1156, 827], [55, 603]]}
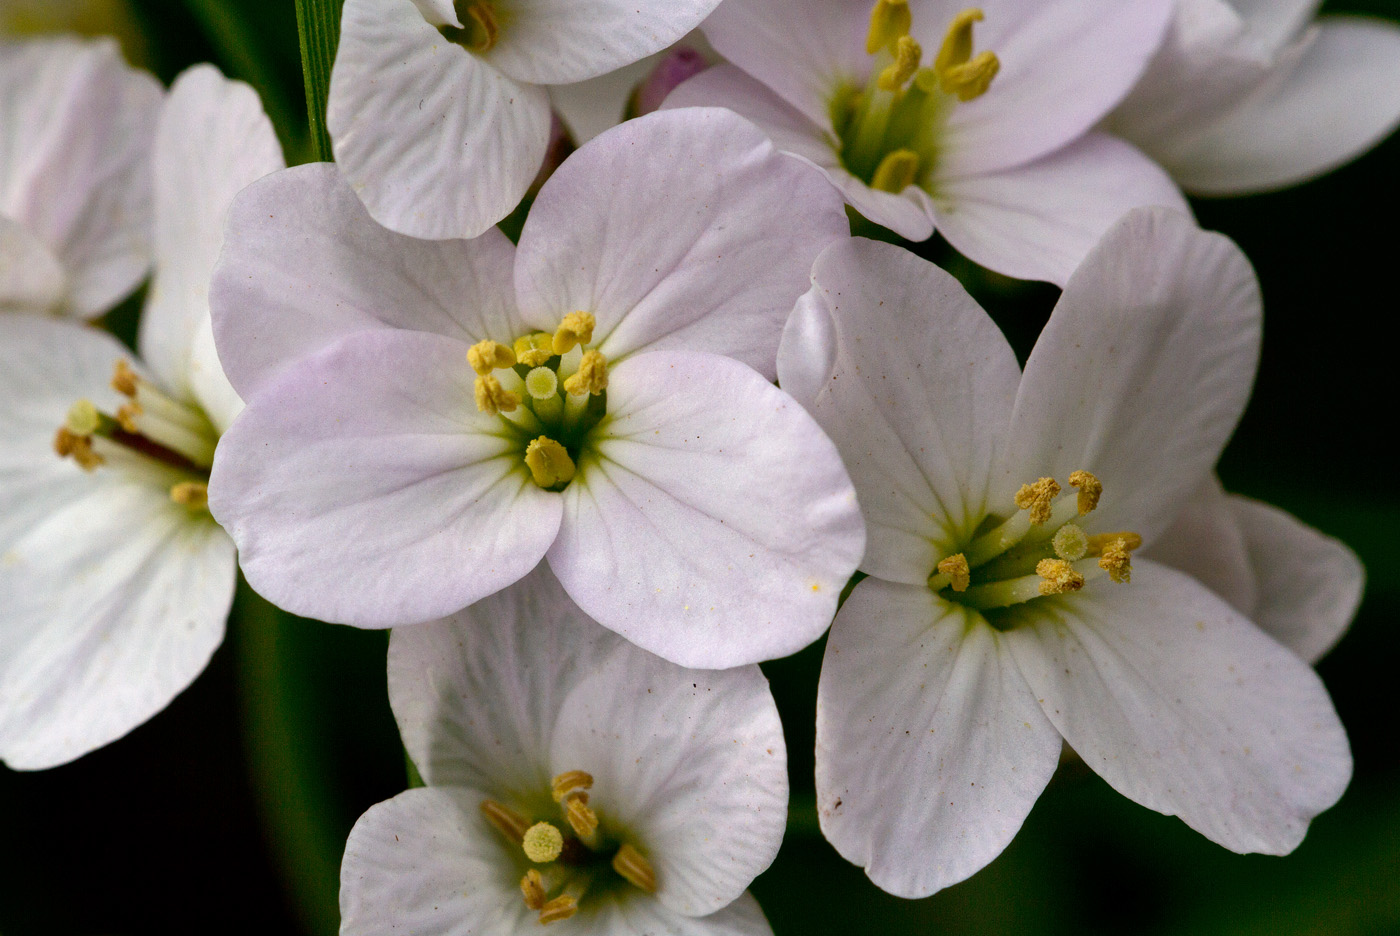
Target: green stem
{"points": [[318, 26]]}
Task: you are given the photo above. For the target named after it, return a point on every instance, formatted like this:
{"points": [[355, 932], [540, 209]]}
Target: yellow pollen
{"points": [[1090, 490], [79, 447], [1059, 577], [1070, 543], [570, 781], [191, 494], [958, 71], [629, 863], [532, 888], [491, 397], [575, 329], [534, 350], [560, 908], [486, 356], [549, 462], [1117, 560], [955, 567], [126, 416], [582, 819], [896, 172], [591, 376], [542, 843], [506, 820], [479, 22], [1099, 541], [907, 53], [889, 20], [124, 379], [1037, 498]]}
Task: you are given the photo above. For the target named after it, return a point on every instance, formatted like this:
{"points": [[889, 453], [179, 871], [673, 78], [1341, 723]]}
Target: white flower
{"points": [[75, 175], [570, 776], [1001, 615], [1246, 96], [923, 123], [439, 111], [116, 579], [428, 420]]}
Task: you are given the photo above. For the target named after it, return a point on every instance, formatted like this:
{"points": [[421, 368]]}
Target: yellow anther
{"points": [[549, 462], [955, 567], [958, 71], [491, 397], [532, 888], [896, 172], [575, 329], [591, 376], [1037, 498], [124, 379], [629, 863], [957, 44], [1117, 560], [582, 819], [506, 820], [542, 843], [889, 20], [1099, 541], [479, 24], [83, 418], [560, 908], [191, 494], [907, 53], [1059, 577], [570, 781], [1070, 543], [126, 416], [1090, 490], [79, 447], [486, 356], [534, 350]]}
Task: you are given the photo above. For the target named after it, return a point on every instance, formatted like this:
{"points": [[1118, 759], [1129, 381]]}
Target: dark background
{"points": [[228, 812]]}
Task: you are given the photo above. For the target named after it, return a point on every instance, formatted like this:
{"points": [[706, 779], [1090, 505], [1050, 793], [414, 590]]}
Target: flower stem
{"points": [[318, 26]]}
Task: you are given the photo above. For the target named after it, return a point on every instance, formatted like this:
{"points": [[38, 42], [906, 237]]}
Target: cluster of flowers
{"points": [[569, 457]]}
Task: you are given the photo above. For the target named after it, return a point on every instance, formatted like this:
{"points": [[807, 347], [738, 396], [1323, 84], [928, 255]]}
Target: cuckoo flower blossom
{"points": [[116, 579], [1246, 96], [974, 121], [570, 776], [75, 176], [427, 420], [1007, 607], [439, 111]]}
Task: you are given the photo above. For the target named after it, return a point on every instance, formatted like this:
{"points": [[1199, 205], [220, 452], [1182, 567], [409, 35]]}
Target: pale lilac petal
{"points": [[680, 229], [1141, 373], [1184, 706], [914, 384], [304, 264], [715, 525], [590, 107], [1038, 221], [931, 748], [31, 278], [1207, 543], [434, 140], [212, 140], [363, 487]]}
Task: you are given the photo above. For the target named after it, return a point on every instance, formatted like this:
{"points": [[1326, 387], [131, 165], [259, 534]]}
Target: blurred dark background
{"points": [[228, 812]]}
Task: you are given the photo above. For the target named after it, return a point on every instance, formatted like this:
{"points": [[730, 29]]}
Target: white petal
{"points": [[1309, 583], [434, 140], [304, 264], [426, 862], [1340, 98], [1142, 371], [31, 277], [1274, 22], [714, 524], [363, 487], [74, 162], [1038, 221], [681, 229], [915, 384], [1184, 706], [114, 603], [644, 917], [559, 41], [931, 748], [212, 140], [1206, 542]]}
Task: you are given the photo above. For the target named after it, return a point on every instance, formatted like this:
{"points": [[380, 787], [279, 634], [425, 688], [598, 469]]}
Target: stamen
{"points": [[532, 888], [126, 416], [956, 568], [591, 376], [191, 494], [889, 20], [480, 27], [896, 172], [1037, 498], [1070, 543], [560, 908], [79, 447], [1116, 558], [534, 350], [575, 329], [582, 819], [1090, 490], [486, 356], [570, 781], [506, 820], [542, 843], [972, 79], [124, 379], [542, 383], [491, 397], [629, 863], [1059, 577], [1098, 541], [549, 462], [907, 54]]}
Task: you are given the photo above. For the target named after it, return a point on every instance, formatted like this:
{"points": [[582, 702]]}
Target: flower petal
{"points": [[31, 278], [914, 384], [1142, 371], [713, 524], [434, 140], [1184, 706], [680, 229], [1039, 221], [642, 917], [363, 487], [213, 139], [931, 748], [1275, 22], [1206, 542], [304, 264]]}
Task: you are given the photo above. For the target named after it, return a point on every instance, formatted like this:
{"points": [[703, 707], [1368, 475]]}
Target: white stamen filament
{"points": [[1014, 591]]}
